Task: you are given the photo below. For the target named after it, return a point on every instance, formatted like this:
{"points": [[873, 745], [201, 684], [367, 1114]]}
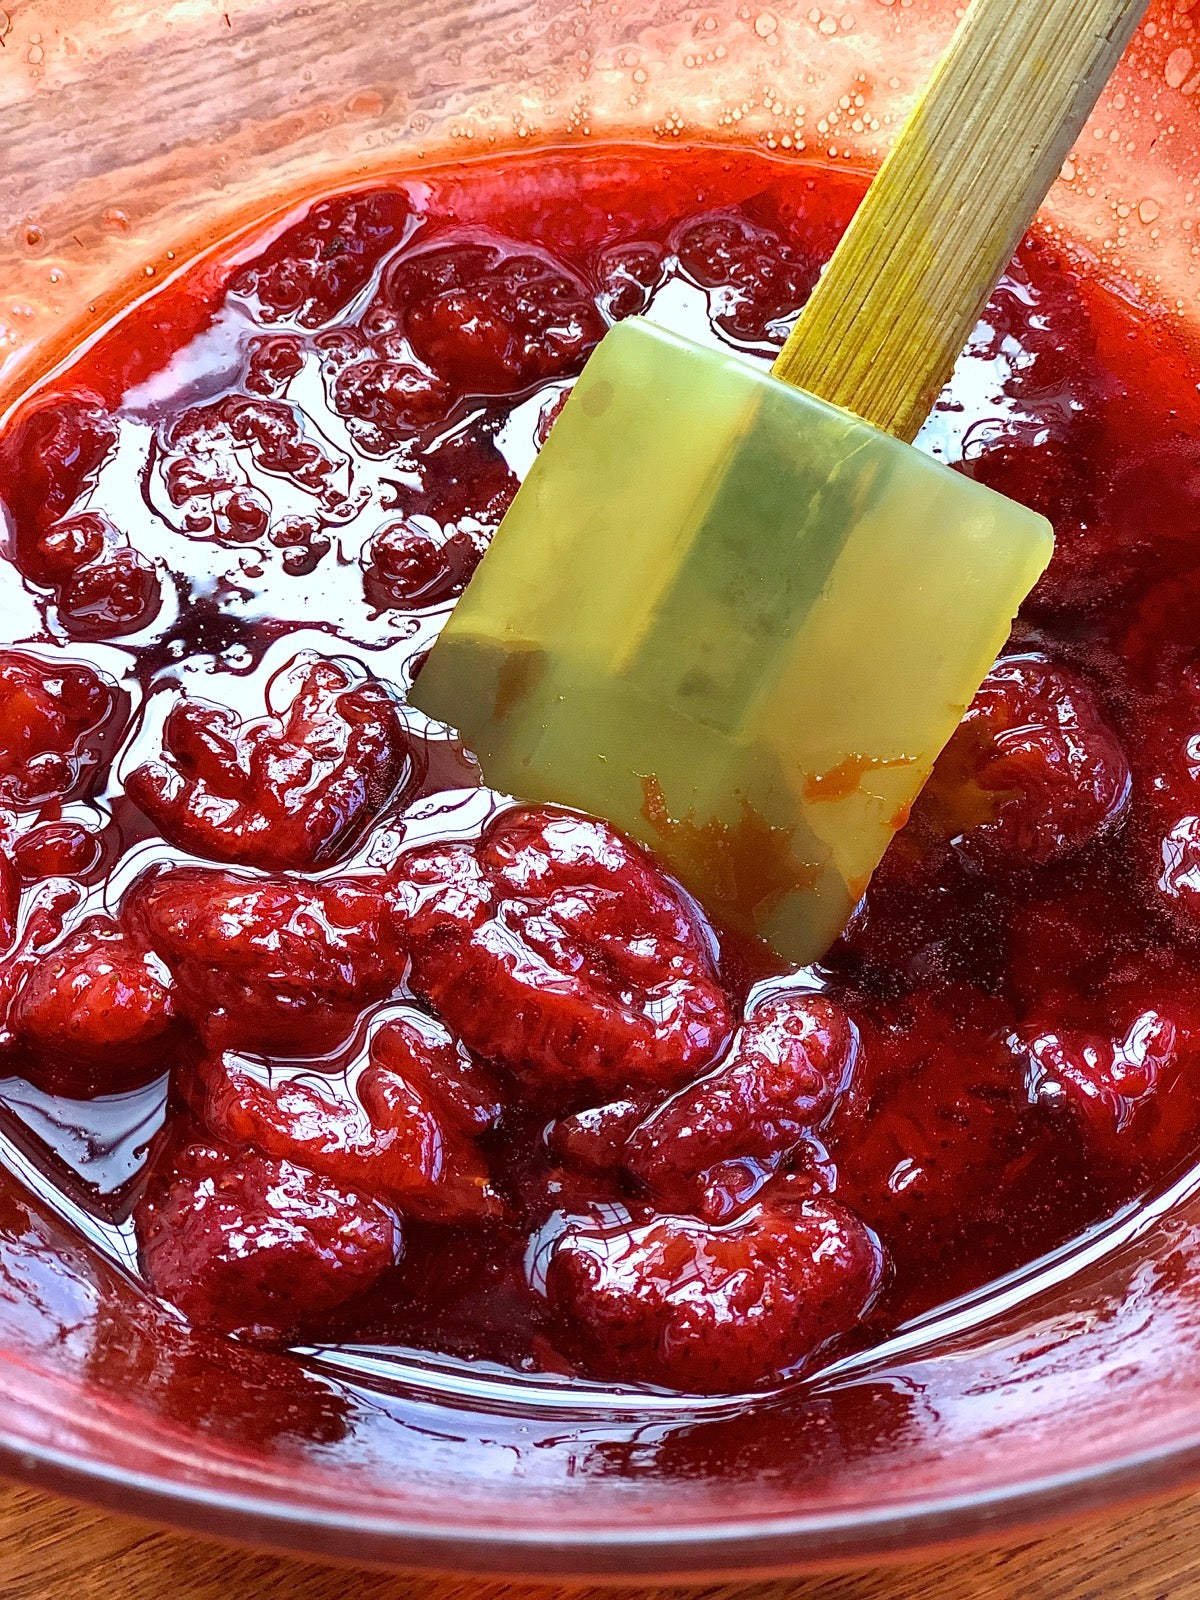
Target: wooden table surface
{"points": [[51, 1550]]}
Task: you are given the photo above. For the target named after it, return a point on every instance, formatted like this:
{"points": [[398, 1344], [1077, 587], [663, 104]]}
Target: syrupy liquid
{"points": [[312, 437]]}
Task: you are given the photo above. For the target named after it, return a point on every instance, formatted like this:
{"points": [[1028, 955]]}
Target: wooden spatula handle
{"points": [[905, 287]]}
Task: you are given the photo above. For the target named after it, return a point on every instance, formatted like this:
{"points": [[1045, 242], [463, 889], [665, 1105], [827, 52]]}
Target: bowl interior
{"points": [[1074, 1384]]}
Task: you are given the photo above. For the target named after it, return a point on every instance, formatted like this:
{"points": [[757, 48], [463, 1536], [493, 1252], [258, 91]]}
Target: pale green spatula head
{"points": [[737, 622]]}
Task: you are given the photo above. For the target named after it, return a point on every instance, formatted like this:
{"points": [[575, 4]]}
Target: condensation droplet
{"points": [[1178, 67], [765, 24], [1149, 211], [366, 103]]}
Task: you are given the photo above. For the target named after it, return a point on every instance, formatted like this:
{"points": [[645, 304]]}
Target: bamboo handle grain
{"points": [[905, 287]]}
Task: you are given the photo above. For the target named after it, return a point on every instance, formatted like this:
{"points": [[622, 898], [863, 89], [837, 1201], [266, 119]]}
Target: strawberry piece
{"points": [[937, 1148], [1106, 1083], [712, 1310], [1033, 772], [403, 1127], [310, 274], [52, 716], [274, 360], [94, 1015], [757, 281], [71, 544], [217, 460], [267, 963], [285, 792], [202, 442], [559, 949], [411, 566], [427, 1055], [594, 1140], [918, 1146], [628, 275], [485, 318], [249, 1245], [712, 1147], [384, 401], [56, 850], [110, 598], [48, 460], [48, 464]]}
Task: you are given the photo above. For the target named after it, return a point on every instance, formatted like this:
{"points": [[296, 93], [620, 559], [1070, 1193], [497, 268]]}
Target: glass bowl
{"points": [[135, 135]]}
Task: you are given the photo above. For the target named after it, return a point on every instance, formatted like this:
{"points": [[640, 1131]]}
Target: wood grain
{"points": [[51, 1550]]}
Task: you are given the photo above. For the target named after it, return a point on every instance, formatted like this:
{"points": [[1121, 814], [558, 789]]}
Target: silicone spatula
{"points": [[738, 614]]}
